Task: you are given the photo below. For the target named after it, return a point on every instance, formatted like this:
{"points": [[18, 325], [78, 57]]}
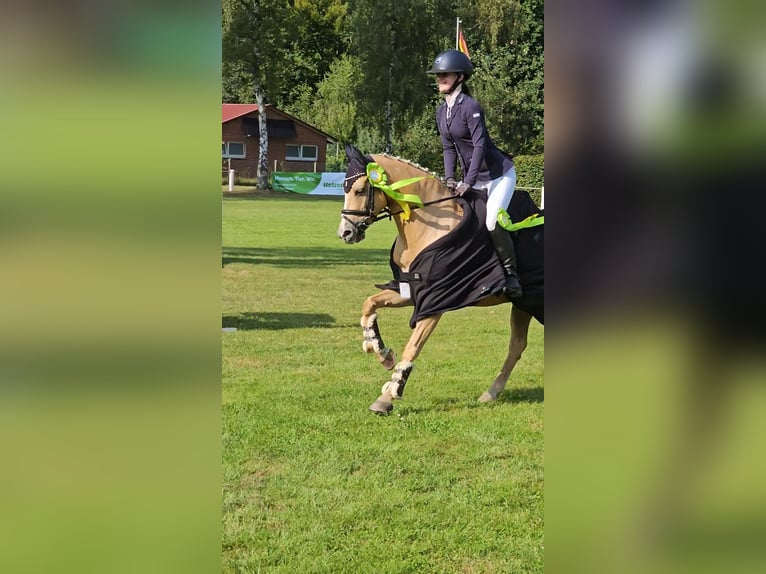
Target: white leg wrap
{"points": [[370, 346], [372, 342], [395, 387]]}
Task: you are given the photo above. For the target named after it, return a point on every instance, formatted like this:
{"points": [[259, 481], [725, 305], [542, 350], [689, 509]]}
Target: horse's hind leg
{"points": [[373, 341], [394, 389], [519, 330]]}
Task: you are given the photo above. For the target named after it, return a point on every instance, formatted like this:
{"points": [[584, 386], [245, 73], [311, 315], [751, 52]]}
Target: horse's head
{"points": [[362, 202]]}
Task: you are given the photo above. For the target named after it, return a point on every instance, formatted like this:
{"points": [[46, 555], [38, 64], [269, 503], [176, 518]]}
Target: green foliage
{"points": [[490, 23], [420, 142], [513, 103], [255, 35], [279, 45], [237, 83], [316, 40], [509, 82], [356, 69], [395, 42], [332, 106], [371, 139], [336, 158], [530, 170]]}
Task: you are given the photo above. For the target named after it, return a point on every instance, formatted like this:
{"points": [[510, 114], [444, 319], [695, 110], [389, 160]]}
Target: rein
{"points": [[376, 179], [386, 213]]}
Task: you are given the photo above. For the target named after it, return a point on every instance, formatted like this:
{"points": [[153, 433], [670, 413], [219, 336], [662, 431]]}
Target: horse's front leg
{"points": [[373, 341], [519, 330], [394, 389]]}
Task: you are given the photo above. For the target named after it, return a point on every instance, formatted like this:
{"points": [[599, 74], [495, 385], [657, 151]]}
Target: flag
{"points": [[462, 46]]}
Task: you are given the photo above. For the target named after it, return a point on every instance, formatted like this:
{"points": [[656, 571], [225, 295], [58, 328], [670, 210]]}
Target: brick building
{"points": [[293, 144]]}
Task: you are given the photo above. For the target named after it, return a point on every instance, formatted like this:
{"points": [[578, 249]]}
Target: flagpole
{"points": [[457, 33]]}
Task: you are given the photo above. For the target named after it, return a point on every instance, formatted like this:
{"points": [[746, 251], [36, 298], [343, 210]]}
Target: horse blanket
{"points": [[462, 267]]}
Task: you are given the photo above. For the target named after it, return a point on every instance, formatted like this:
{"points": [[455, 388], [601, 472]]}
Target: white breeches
{"points": [[499, 195]]}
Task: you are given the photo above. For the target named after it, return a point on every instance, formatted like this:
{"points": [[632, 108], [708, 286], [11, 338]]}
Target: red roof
{"points": [[231, 111]]}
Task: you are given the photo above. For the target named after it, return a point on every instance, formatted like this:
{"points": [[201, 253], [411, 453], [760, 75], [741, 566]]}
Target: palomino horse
{"points": [[442, 260]]}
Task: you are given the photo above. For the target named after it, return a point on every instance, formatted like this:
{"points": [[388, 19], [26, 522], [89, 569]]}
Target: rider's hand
{"points": [[461, 188], [451, 183]]}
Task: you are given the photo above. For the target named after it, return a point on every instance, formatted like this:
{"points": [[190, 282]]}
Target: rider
{"points": [[464, 136]]}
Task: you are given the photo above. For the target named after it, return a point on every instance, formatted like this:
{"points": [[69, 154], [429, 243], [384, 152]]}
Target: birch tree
{"points": [[255, 34]]}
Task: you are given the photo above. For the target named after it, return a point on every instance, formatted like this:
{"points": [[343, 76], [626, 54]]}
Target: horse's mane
{"points": [[413, 164]]}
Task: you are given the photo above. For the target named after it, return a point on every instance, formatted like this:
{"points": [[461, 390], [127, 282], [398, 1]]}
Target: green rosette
{"points": [[376, 175], [378, 178]]}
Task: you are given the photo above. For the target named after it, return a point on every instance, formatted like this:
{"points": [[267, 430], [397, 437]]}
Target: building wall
{"points": [[234, 131]]}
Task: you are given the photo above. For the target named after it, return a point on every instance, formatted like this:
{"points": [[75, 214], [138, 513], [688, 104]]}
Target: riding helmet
{"points": [[452, 61]]}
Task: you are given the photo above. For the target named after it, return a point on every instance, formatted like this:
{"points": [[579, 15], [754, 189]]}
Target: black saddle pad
{"points": [[462, 267]]}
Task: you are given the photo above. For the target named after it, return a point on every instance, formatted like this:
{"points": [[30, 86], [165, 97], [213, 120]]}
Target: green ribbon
{"points": [[377, 177], [390, 191], [532, 221]]}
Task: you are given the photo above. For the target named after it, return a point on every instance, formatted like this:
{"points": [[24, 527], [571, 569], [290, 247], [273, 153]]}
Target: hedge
{"points": [[530, 173]]}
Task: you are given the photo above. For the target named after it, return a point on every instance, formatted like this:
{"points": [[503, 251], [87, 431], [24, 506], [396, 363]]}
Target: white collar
{"points": [[451, 98]]}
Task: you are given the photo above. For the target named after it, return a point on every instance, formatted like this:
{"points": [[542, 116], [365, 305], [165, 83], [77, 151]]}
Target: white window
{"points": [[233, 149], [302, 152]]}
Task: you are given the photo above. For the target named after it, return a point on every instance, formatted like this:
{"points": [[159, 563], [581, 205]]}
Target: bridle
{"points": [[369, 207]]}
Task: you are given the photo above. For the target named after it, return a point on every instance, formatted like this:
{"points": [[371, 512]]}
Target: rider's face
{"points": [[444, 81]]}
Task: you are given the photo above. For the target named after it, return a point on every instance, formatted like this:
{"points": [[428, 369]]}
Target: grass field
{"points": [[312, 481]]}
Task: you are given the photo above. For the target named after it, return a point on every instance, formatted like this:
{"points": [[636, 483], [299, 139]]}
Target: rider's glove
{"points": [[461, 188], [451, 183]]}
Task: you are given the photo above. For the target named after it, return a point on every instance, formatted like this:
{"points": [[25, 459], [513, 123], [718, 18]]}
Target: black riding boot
{"points": [[507, 254]]}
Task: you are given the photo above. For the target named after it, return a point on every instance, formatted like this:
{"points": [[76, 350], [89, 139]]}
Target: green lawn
{"points": [[314, 482]]}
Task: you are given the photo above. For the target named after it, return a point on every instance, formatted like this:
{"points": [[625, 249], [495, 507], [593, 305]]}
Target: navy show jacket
{"points": [[464, 136]]}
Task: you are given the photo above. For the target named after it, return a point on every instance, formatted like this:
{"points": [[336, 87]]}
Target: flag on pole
{"points": [[462, 46]]}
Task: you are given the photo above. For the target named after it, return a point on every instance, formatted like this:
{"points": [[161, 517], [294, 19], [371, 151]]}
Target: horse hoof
{"points": [[486, 398], [388, 362], [380, 407]]}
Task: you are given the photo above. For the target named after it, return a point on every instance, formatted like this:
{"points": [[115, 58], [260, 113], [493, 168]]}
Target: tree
{"points": [[318, 38], [395, 42], [420, 142], [332, 106], [506, 40], [255, 34], [356, 68]]}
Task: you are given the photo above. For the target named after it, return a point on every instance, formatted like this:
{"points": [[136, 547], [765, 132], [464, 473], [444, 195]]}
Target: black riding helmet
{"points": [[452, 61]]}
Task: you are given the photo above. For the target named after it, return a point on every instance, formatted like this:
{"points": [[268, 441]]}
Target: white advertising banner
{"points": [[308, 183]]}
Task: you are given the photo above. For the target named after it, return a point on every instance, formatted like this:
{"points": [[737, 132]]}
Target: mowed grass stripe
{"points": [[313, 482]]}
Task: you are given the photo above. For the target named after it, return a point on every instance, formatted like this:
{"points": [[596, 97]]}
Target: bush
{"points": [[530, 172]]}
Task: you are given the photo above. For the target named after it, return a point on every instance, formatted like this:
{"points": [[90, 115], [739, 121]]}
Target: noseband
{"points": [[369, 207]]}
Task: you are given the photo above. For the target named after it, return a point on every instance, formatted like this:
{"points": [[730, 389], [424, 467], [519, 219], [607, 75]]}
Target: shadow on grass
{"points": [[278, 321], [525, 395], [514, 396], [252, 193], [300, 257]]}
